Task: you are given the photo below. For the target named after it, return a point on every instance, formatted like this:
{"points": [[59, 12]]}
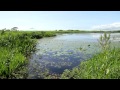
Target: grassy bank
{"points": [[105, 65], [15, 49]]}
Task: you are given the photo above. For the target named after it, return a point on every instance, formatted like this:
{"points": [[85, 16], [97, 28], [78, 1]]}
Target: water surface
{"points": [[63, 52]]}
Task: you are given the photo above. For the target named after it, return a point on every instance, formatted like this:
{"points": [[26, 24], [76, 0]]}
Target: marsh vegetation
{"points": [[59, 54], [15, 49]]}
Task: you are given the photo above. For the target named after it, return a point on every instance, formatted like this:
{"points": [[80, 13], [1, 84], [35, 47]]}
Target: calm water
{"points": [[63, 52]]}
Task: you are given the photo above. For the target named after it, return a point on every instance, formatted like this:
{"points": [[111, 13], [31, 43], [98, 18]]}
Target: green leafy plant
{"points": [[104, 41]]}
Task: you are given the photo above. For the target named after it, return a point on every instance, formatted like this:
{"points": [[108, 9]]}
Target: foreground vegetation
{"points": [[105, 65], [15, 49]]}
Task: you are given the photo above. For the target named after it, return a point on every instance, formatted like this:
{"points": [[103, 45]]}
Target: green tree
{"points": [[14, 28]]}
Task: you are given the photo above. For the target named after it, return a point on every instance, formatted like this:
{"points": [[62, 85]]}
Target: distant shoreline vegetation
{"points": [[63, 31], [77, 31], [85, 31]]}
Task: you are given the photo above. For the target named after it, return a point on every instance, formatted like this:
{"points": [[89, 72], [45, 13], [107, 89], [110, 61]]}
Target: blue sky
{"points": [[56, 20]]}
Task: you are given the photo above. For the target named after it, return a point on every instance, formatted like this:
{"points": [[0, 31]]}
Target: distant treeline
{"points": [[64, 31], [83, 31]]}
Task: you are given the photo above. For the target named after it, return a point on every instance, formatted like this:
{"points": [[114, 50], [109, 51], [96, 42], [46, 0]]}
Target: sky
{"points": [[56, 20]]}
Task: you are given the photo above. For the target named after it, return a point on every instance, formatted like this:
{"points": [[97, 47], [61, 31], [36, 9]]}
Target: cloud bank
{"points": [[113, 26]]}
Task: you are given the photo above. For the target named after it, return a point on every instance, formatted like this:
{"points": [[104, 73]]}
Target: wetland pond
{"points": [[64, 51]]}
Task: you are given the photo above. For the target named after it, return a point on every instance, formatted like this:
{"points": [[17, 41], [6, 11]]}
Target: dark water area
{"points": [[63, 52]]}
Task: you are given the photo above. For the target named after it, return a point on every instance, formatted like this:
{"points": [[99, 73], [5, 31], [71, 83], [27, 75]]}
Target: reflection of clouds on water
{"points": [[115, 39], [96, 35], [114, 36]]}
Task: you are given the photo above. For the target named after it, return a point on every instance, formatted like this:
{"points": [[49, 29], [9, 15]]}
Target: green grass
{"points": [[15, 49], [105, 65], [10, 61]]}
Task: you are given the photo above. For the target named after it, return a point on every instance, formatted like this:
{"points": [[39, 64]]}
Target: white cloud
{"points": [[113, 26]]}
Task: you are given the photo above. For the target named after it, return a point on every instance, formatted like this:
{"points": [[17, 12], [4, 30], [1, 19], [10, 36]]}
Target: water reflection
{"points": [[62, 52]]}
